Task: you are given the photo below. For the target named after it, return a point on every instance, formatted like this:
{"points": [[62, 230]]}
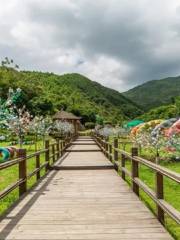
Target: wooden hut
{"points": [[69, 117]]}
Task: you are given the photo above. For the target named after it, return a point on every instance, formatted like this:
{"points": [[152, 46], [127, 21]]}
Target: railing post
{"points": [[58, 149], [110, 152], [38, 166], [102, 144], [115, 151], [53, 153], [106, 146], [100, 140], [61, 148], [135, 171], [22, 172], [47, 155], [159, 195], [97, 138], [123, 163], [64, 144]]}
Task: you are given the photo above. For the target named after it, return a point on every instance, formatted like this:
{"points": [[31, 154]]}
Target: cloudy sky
{"points": [[119, 43]]}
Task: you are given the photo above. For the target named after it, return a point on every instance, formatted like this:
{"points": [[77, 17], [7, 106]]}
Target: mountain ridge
{"points": [[46, 93], [155, 93]]}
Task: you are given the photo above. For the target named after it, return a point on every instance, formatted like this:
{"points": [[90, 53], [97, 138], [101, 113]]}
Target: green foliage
{"points": [[177, 104], [99, 120], [90, 125], [9, 63], [107, 123], [163, 112], [41, 106], [155, 93], [46, 93]]}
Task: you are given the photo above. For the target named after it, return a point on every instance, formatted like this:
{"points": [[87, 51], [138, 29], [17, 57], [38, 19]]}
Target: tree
{"points": [[9, 63], [177, 103]]}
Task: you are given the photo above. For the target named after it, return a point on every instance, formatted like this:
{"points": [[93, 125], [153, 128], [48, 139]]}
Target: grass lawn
{"points": [[171, 188], [10, 175]]}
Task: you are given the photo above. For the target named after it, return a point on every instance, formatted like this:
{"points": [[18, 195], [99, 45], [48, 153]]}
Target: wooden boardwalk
{"points": [[82, 198]]}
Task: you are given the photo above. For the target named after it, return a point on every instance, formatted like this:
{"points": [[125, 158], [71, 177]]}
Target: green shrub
{"points": [[107, 123], [89, 125]]}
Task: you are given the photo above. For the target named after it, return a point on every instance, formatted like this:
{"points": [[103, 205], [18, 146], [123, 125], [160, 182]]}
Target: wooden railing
{"points": [[119, 157], [53, 151]]}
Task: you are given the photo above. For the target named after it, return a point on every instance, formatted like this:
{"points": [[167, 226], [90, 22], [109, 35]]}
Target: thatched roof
{"points": [[65, 116]]}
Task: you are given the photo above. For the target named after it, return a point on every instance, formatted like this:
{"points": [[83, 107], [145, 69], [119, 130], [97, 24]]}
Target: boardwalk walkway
{"points": [[83, 198]]}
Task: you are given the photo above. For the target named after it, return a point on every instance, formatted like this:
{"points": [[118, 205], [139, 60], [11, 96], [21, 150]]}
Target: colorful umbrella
{"points": [[133, 123], [162, 126], [174, 129], [149, 126]]}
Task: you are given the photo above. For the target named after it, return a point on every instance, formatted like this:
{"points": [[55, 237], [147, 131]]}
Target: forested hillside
{"points": [[163, 112], [46, 93], [155, 93]]}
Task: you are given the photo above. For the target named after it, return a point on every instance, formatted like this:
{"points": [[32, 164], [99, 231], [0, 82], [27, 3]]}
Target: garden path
{"points": [[82, 198]]}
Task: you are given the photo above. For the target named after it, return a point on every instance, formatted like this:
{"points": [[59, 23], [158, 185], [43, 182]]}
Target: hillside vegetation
{"points": [[163, 112], [46, 93], [155, 93]]}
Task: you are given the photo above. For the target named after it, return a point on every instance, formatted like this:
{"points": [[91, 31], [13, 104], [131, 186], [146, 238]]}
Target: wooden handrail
{"points": [[36, 153], [20, 159], [166, 172], [160, 172], [10, 188], [57, 149], [10, 163]]}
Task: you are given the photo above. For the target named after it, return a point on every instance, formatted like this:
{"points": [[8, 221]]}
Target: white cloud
{"points": [[119, 43], [106, 70]]}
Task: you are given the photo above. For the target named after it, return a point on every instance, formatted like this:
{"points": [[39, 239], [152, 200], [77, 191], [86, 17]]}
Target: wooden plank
{"points": [[83, 150], [83, 167], [79, 159], [81, 205], [84, 147]]}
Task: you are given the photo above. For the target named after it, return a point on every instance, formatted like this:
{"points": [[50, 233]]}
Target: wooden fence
{"points": [[119, 157], [53, 151]]}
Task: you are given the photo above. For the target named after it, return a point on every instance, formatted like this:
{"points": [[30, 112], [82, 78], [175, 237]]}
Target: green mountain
{"points": [[46, 93], [155, 93], [163, 112]]}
